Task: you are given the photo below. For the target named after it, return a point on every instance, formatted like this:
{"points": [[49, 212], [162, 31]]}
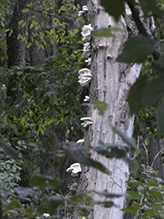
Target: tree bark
{"points": [[110, 83]]}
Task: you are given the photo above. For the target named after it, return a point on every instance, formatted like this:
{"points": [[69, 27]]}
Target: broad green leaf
{"points": [[54, 202], [154, 90], [111, 151], [148, 5], [150, 212], [105, 32], [133, 165], [114, 8], [10, 151], [25, 10], [132, 195], [157, 194], [130, 209], [160, 119], [136, 49], [106, 204], [135, 94], [77, 153], [101, 106], [41, 181], [129, 141], [12, 205]]}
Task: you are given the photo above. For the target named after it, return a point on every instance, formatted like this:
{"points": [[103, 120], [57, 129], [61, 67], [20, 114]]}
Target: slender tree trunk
{"points": [[110, 83]]}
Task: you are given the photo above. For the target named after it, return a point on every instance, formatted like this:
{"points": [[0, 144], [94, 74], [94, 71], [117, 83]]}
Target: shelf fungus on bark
{"points": [[86, 32], [85, 76], [88, 61], [86, 121], [84, 9], [75, 168], [80, 141], [87, 98], [86, 49]]}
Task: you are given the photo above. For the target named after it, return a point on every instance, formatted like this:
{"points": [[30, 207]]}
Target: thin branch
{"points": [[156, 157], [141, 201], [147, 156]]}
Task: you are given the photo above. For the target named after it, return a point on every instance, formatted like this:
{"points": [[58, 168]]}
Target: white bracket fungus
{"points": [[84, 76], [86, 49], [87, 98], [84, 9], [80, 141], [88, 61], [75, 169], [86, 32], [86, 121]]}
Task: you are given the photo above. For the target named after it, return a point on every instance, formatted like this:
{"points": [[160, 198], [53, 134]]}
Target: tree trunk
{"points": [[110, 83]]}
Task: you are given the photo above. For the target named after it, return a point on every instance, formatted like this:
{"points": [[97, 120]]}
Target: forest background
{"points": [[41, 53]]}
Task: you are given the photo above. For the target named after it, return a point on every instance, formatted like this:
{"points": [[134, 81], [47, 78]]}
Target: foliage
{"points": [[46, 113]]}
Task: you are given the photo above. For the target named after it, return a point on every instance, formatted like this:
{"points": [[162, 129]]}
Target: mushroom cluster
{"points": [[86, 121], [75, 169], [85, 76]]}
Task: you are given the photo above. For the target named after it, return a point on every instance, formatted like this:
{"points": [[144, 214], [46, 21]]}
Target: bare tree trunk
{"points": [[110, 83]]}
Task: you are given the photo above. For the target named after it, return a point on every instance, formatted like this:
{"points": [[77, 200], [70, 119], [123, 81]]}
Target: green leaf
{"points": [[77, 153], [25, 10], [135, 94], [12, 205], [41, 181], [148, 5], [160, 119], [154, 90], [9, 150], [129, 209], [106, 204], [150, 213], [133, 195], [101, 106], [136, 49], [54, 202], [11, 31], [129, 141], [133, 165], [105, 32], [112, 151], [108, 194], [157, 194], [114, 8]]}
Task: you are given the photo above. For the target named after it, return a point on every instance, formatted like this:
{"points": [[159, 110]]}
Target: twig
{"points": [[156, 157], [136, 215], [147, 156]]}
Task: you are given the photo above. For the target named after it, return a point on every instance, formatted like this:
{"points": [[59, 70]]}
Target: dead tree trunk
{"points": [[110, 83]]}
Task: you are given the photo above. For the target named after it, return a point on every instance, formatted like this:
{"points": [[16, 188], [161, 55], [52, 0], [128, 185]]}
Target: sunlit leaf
{"points": [[25, 10]]}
